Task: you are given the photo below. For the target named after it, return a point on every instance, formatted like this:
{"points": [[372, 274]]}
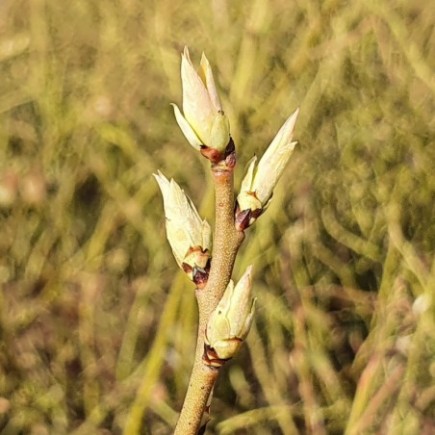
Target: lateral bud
{"points": [[188, 235], [257, 186], [230, 322]]}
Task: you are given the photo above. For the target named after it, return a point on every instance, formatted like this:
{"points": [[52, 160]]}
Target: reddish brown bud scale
{"points": [[228, 156], [245, 218], [211, 154], [212, 359]]}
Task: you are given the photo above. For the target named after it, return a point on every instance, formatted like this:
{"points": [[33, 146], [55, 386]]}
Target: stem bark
{"points": [[226, 243]]}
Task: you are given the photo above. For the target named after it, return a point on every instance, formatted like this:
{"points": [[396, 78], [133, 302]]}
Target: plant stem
{"points": [[227, 241]]}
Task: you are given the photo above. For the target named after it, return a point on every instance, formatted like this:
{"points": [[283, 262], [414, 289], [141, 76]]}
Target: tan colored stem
{"points": [[227, 241]]}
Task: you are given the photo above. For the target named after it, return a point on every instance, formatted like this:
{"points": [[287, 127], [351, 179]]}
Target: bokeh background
{"points": [[97, 325]]}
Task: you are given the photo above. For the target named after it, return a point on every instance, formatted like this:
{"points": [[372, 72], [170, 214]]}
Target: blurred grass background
{"points": [[97, 325]]}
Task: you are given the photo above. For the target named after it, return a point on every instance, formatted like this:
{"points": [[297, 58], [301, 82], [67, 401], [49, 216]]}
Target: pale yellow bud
{"points": [[220, 132], [230, 322], [202, 122], [258, 184], [188, 235]]}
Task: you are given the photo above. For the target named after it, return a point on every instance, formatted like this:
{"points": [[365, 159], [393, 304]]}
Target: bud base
{"points": [[246, 218], [211, 359], [228, 156]]}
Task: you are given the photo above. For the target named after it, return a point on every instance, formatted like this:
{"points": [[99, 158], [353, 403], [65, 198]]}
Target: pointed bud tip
{"points": [[160, 178], [204, 59], [248, 273], [291, 120], [295, 114]]}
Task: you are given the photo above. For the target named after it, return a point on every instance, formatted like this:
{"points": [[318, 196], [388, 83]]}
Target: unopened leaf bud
{"points": [[258, 184], [203, 121], [230, 322], [188, 235]]}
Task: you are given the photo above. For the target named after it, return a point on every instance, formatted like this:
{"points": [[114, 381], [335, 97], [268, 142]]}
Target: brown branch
{"points": [[227, 241]]}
